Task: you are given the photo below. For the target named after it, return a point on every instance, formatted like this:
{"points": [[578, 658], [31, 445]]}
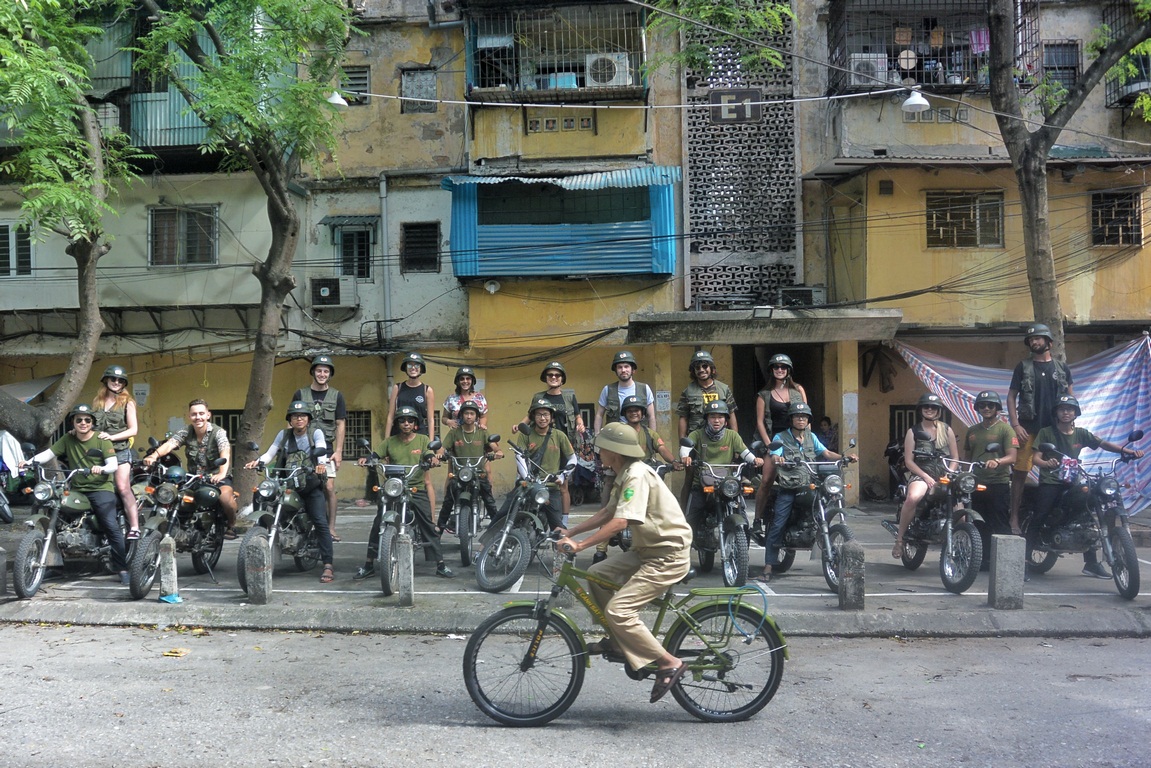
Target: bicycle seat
{"points": [[688, 576]]}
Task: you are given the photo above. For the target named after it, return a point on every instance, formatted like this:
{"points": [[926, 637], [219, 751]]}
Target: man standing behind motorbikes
{"points": [[297, 443], [549, 450], [799, 443], [994, 501], [714, 444], [73, 447], [607, 410], [203, 443], [330, 414], [1036, 385], [703, 389], [469, 441]]}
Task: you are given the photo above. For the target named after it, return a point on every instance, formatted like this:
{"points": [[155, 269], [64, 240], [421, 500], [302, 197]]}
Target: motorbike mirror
{"points": [[153, 443], [94, 453], [758, 448], [317, 451], [493, 438], [992, 447], [363, 443], [435, 445], [775, 445], [252, 445], [28, 448], [851, 443], [219, 462], [1134, 436], [524, 429], [1048, 448], [686, 442]]}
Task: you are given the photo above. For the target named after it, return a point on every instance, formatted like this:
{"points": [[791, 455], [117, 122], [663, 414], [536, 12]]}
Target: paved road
{"points": [[898, 602]]}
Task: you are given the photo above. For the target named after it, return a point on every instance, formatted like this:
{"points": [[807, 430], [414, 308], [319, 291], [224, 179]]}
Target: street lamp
{"points": [[916, 103], [339, 100]]}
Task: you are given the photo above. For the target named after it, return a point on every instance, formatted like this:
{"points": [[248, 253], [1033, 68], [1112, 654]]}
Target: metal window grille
{"points": [[1061, 62], [420, 247], [355, 252], [357, 84], [418, 84], [15, 251], [229, 421], [357, 426], [1117, 218], [1132, 76], [185, 236], [964, 220]]}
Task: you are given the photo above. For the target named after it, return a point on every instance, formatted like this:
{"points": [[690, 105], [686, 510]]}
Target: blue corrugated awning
{"points": [[644, 176]]}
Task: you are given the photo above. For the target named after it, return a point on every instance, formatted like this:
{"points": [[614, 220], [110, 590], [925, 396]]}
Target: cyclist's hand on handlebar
{"points": [[567, 546], [251, 465]]}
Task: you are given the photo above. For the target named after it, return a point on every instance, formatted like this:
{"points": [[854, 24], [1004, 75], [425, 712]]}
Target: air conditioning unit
{"points": [[333, 292], [801, 296], [606, 69], [869, 69]]}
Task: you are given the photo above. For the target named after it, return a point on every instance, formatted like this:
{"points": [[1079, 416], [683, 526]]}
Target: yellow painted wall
{"points": [[502, 132]]}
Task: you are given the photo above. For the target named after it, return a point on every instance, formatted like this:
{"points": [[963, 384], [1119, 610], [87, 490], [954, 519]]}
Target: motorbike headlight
{"points": [[966, 482], [393, 487], [1109, 486], [165, 494], [540, 494], [833, 485], [729, 487], [466, 475], [267, 489], [42, 492]]}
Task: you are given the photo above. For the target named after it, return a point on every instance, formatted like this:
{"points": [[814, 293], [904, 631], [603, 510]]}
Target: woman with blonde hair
{"points": [[114, 409], [927, 448]]}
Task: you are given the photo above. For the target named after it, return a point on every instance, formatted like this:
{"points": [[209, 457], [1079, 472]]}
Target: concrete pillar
{"points": [[851, 576], [405, 587], [258, 570], [1008, 562], [843, 389], [168, 582], [3, 571]]}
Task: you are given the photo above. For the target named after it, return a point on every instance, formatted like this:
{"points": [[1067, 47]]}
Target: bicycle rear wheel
{"points": [[508, 688], [738, 674]]}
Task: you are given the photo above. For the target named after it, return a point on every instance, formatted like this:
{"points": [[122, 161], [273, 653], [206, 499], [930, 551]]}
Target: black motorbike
{"points": [[464, 482], [723, 526], [1090, 513], [185, 507]]}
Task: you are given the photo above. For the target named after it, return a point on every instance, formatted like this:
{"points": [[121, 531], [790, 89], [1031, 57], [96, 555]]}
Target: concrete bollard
{"points": [[851, 576], [3, 571], [1008, 564], [169, 584], [405, 588], [258, 570]]}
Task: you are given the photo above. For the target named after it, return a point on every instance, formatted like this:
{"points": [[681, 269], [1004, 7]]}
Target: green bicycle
{"points": [[525, 664]]}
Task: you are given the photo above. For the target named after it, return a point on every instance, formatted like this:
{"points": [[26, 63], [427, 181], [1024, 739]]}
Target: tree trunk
{"points": [[1031, 173]]}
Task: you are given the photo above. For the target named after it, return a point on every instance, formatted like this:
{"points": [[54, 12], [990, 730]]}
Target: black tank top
{"points": [[416, 397]]}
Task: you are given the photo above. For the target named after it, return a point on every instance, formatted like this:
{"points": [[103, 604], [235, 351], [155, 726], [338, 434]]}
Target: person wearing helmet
{"points": [[927, 447], [465, 393], [994, 502], [115, 410], [1036, 384], [772, 405], [330, 414], [549, 451], [607, 407], [714, 444], [796, 444], [469, 441], [567, 416], [1068, 440], [659, 557], [73, 448], [704, 388], [408, 448], [300, 443], [414, 393], [203, 443]]}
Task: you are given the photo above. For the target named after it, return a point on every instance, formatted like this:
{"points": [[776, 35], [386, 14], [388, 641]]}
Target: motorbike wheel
{"points": [[1125, 563], [241, 560], [959, 566], [739, 658], [388, 566], [511, 690], [735, 558], [5, 509], [495, 573], [1039, 561], [706, 560], [465, 517], [786, 560], [576, 494], [144, 566], [26, 572], [308, 556], [839, 534], [913, 554], [203, 562]]}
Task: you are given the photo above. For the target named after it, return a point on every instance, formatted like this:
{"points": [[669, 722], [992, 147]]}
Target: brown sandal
{"points": [[328, 576], [665, 680]]}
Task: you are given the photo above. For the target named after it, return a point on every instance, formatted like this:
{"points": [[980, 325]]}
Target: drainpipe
{"points": [[385, 271]]}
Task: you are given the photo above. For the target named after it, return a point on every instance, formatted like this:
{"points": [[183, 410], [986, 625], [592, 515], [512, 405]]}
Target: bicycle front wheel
{"points": [[736, 660], [509, 687]]}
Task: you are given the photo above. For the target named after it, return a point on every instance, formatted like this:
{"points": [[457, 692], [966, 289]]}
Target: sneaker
{"points": [[1096, 570], [125, 579], [598, 557], [133, 535], [444, 572], [363, 572]]}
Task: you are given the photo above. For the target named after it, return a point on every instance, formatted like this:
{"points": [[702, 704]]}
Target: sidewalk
{"points": [[1062, 603]]}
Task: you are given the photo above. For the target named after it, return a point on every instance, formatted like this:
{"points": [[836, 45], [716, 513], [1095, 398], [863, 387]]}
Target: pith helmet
{"points": [[619, 438]]}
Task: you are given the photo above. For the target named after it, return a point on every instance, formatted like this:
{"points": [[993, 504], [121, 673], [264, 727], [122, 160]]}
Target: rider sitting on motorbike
{"points": [[469, 441], [934, 442], [548, 449], [407, 449], [714, 444], [73, 447], [659, 557], [1069, 440], [799, 443], [297, 444]]}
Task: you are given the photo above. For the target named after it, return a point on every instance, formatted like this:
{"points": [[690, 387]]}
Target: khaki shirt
{"points": [[651, 510]]}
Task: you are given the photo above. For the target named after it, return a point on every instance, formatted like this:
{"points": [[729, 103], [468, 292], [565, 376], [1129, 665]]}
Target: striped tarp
{"points": [[1113, 389]]}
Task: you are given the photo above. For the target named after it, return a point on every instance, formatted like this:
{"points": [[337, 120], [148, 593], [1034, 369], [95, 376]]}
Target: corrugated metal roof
{"points": [[350, 221], [644, 176]]}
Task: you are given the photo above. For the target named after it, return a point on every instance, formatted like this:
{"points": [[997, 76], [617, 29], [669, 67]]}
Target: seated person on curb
{"points": [[469, 441], [799, 444], [1069, 440], [297, 443], [715, 444], [551, 451], [407, 448], [660, 555], [73, 447]]}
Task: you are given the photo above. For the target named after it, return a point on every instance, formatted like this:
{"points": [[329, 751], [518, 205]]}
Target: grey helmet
{"points": [[407, 411], [987, 396], [631, 401], [800, 409], [82, 409], [781, 359], [323, 360], [538, 403], [1068, 400], [1038, 329], [299, 406], [700, 358], [115, 371], [624, 357], [414, 357], [715, 406], [464, 371], [931, 399], [554, 365]]}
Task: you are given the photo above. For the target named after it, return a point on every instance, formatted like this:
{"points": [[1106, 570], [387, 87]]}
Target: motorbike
{"points": [[398, 514], [464, 479], [185, 507], [723, 528], [818, 518], [944, 516], [1089, 514], [508, 543], [66, 528], [282, 517]]}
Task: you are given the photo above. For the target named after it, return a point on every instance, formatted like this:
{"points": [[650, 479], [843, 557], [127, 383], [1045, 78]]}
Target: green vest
{"points": [[113, 422], [201, 453], [323, 411], [794, 478], [611, 411], [1025, 408]]}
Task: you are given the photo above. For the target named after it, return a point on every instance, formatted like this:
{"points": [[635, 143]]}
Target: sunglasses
{"points": [[555, 375], [406, 420], [780, 368], [83, 420], [985, 406], [114, 380]]}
